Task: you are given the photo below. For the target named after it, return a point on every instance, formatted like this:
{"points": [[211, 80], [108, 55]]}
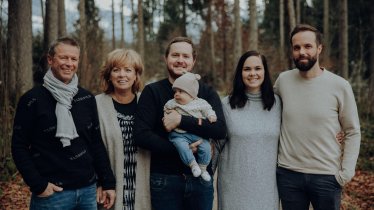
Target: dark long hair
{"points": [[238, 97]]}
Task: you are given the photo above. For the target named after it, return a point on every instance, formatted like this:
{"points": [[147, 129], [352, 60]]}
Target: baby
{"points": [[186, 102]]}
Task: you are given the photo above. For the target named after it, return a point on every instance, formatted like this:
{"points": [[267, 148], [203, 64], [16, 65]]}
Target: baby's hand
{"points": [[212, 119]]}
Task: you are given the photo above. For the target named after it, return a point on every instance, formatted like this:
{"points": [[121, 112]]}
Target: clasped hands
{"points": [[105, 197]]}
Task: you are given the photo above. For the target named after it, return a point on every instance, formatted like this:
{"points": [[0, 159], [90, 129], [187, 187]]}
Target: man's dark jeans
{"points": [[298, 190], [180, 192]]}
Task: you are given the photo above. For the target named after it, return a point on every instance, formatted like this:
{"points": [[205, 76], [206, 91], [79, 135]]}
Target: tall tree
{"points": [[253, 27], [19, 48], [237, 30], [132, 20], [42, 9], [141, 40], [50, 30], [61, 18], [343, 41], [291, 14], [326, 29], [211, 42], [174, 19], [184, 18], [224, 40], [91, 40], [51, 22], [122, 44], [282, 49], [298, 11], [371, 63], [113, 27], [83, 76]]}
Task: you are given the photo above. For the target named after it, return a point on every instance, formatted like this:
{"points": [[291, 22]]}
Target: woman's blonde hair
{"points": [[120, 58]]}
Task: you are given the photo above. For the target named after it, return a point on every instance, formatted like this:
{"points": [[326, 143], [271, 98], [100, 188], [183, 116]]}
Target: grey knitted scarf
{"points": [[63, 93]]}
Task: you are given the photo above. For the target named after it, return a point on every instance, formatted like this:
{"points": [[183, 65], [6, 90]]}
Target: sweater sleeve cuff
{"points": [[39, 189], [343, 177]]}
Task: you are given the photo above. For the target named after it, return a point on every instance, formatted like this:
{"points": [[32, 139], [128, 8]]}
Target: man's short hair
{"points": [[181, 39], [305, 27], [62, 40]]}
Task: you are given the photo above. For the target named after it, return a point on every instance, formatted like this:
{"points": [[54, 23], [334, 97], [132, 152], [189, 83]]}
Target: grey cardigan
{"points": [[111, 132]]}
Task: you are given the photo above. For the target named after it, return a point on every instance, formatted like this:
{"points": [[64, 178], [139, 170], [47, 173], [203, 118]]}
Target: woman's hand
{"points": [[340, 137]]}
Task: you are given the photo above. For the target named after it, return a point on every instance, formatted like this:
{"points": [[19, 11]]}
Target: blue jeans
{"points": [[80, 199], [298, 190], [182, 141], [180, 192]]}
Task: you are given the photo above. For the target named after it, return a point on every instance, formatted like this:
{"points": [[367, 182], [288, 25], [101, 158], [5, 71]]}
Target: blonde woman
{"points": [[120, 81]]}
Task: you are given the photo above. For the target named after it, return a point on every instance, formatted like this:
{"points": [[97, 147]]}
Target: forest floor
{"points": [[357, 195]]}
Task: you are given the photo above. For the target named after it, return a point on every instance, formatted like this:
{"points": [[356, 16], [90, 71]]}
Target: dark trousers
{"points": [[298, 190], [180, 192]]}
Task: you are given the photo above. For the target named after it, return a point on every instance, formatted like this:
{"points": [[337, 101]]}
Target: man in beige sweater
{"points": [[312, 165]]}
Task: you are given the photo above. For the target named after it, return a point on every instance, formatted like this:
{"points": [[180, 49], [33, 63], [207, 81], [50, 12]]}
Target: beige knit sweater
{"points": [[111, 132], [314, 111]]}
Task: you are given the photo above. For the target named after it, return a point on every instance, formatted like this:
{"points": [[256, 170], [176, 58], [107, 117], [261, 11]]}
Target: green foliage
{"points": [[7, 168], [366, 157], [271, 22], [173, 24]]}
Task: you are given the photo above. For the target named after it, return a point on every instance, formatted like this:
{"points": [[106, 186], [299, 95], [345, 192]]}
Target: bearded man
{"points": [[312, 165]]}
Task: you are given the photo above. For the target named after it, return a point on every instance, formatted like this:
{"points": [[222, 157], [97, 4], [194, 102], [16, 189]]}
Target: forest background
{"points": [[221, 29]]}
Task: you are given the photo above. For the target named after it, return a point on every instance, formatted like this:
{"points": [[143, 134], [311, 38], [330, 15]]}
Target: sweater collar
{"points": [[254, 96]]}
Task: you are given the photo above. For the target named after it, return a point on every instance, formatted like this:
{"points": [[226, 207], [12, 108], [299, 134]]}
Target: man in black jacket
{"points": [[172, 184], [56, 143]]}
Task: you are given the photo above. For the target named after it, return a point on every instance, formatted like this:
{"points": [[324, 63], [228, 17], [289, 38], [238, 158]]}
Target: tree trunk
{"points": [[253, 28], [282, 49], [140, 29], [371, 66], [211, 42], [122, 44], [19, 47], [184, 25], [343, 45], [83, 74], [238, 31], [51, 22], [12, 49], [113, 28], [42, 9], [291, 14], [50, 28], [132, 21], [224, 27], [298, 11], [61, 18], [326, 29]]}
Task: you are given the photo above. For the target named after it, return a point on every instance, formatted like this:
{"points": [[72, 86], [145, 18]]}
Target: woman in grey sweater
{"points": [[246, 171]]}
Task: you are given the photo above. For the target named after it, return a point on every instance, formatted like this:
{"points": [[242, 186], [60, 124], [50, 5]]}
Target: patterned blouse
{"points": [[126, 117]]}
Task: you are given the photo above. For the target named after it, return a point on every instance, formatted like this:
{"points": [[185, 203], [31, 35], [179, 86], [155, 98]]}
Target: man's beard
{"points": [[172, 74], [305, 66]]}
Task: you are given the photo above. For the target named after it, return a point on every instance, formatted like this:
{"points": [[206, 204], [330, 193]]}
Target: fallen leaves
{"points": [[357, 194], [14, 195]]}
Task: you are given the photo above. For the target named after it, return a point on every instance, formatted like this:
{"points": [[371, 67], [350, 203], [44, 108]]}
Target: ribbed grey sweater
{"points": [[246, 171]]}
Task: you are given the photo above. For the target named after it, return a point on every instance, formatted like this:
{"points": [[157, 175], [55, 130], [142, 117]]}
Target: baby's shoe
{"points": [[196, 171], [205, 175]]}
